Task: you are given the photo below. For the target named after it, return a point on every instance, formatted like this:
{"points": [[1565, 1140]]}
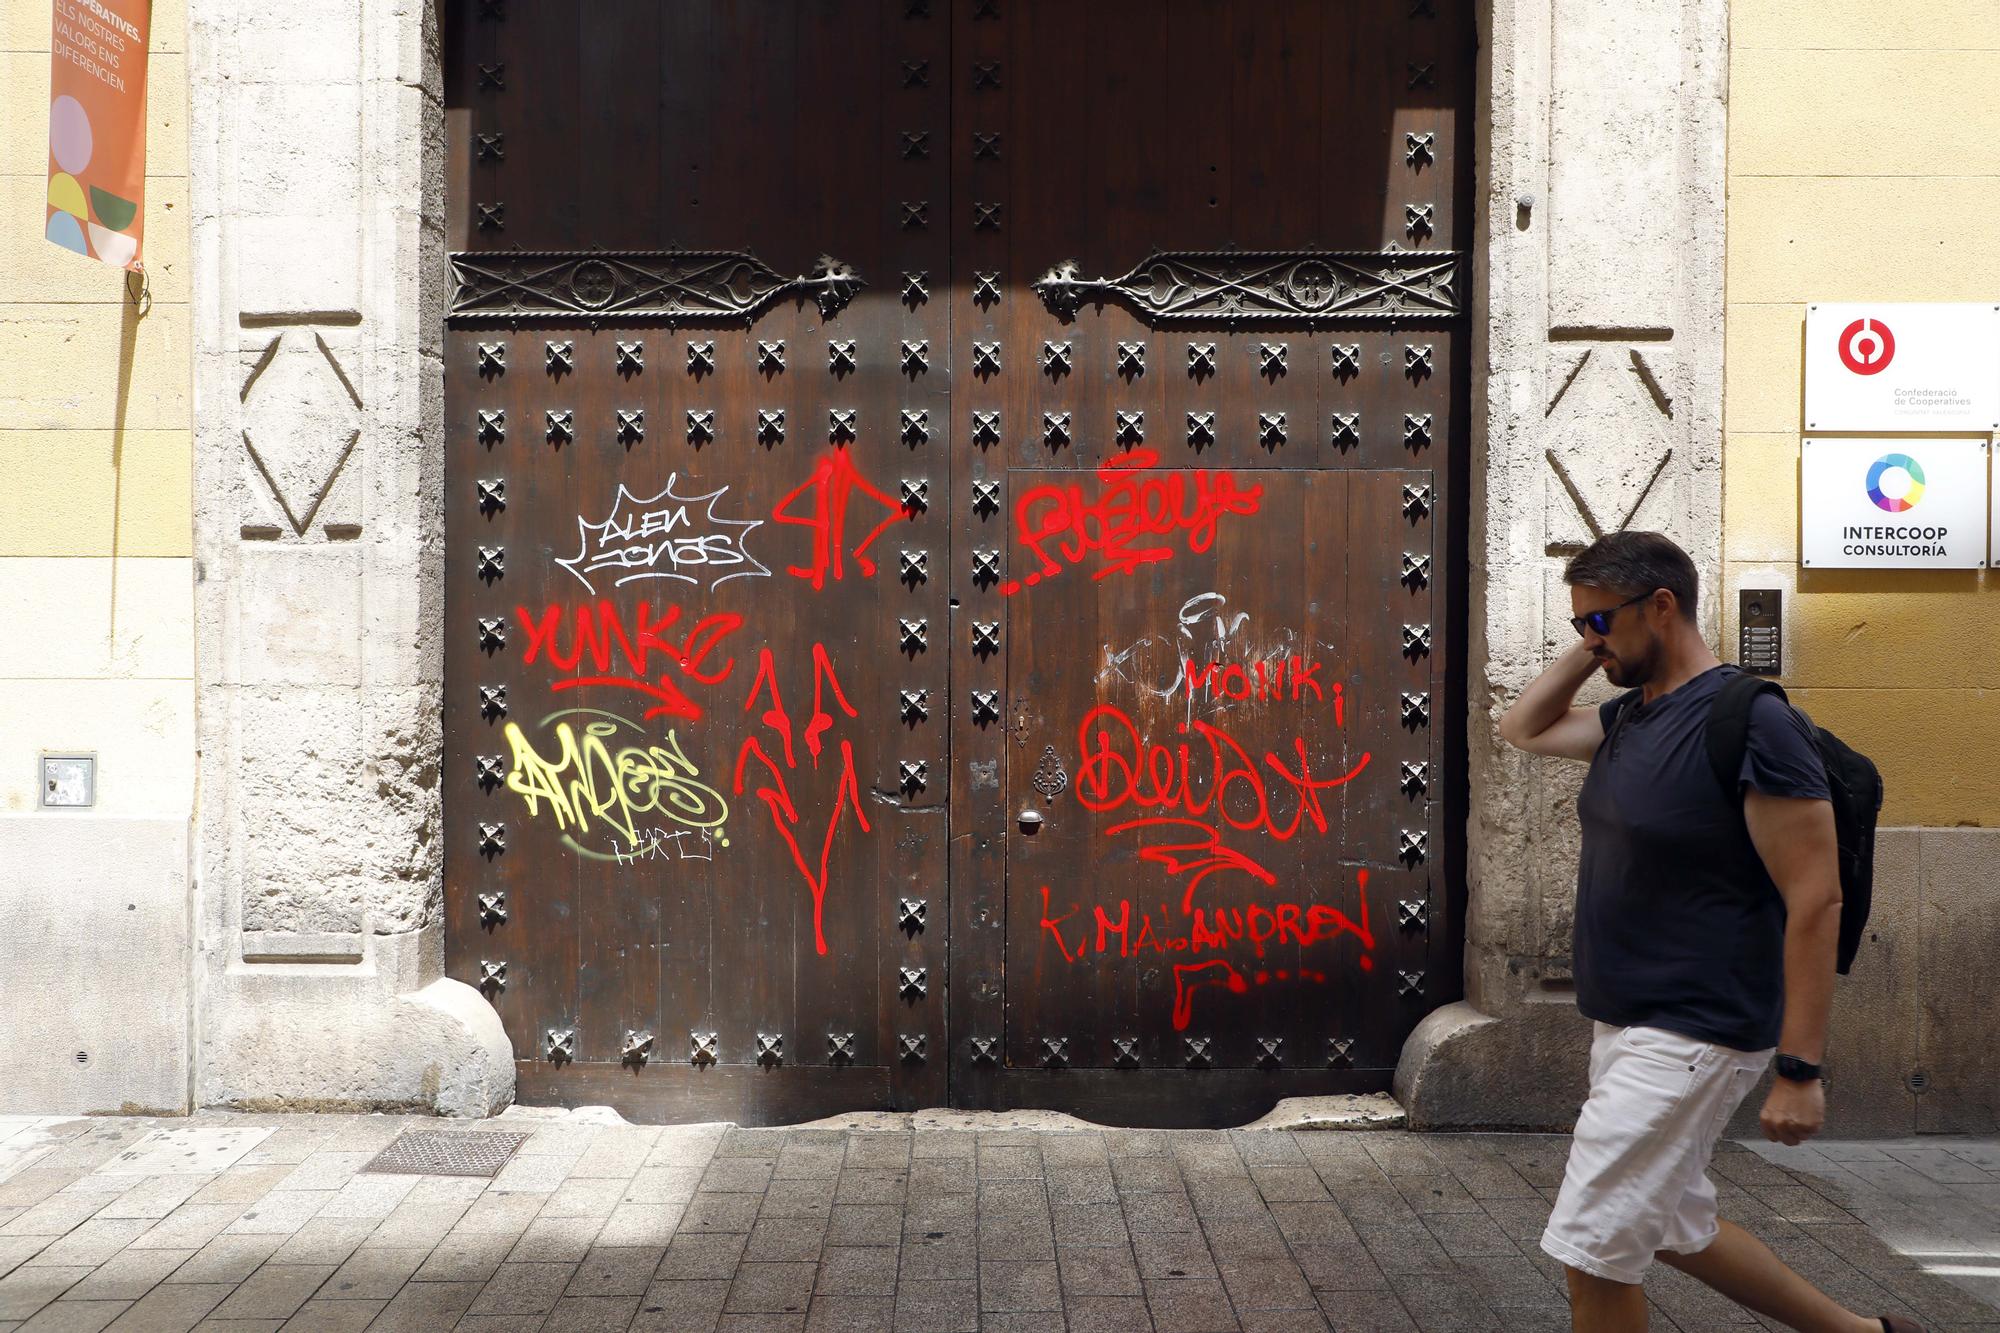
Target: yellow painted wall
{"points": [[1864, 158], [96, 454]]}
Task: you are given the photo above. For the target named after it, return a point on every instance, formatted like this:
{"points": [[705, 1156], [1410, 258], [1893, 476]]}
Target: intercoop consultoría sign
{"points": [[1892, 503], [1903, 367]]}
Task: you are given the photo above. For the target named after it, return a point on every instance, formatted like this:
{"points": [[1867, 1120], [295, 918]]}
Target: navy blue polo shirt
{"points": [[1678, 924]]}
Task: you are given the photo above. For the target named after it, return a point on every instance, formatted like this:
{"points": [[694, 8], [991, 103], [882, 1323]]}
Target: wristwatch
{"points": [[1794, 1070]]}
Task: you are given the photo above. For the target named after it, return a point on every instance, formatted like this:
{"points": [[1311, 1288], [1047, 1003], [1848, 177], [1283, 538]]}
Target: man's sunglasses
{"points": [[1599, 622]]}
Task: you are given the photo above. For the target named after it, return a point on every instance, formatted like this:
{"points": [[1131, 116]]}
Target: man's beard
{"points": [[1631, 672]]}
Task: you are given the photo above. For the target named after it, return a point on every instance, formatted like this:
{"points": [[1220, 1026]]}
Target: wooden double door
{"points": [[953, 554]]}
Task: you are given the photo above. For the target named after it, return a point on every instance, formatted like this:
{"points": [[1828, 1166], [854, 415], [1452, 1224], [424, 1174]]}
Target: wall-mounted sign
{"points": [[1903, 367], [1892, 503], [97, 128]]}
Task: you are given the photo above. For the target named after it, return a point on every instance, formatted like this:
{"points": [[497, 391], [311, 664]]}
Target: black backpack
{"points": [[1851, 776]]}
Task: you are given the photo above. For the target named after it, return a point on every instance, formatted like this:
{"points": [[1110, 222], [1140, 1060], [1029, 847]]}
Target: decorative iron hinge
{"points": [[1247, 286], [669, 286]]}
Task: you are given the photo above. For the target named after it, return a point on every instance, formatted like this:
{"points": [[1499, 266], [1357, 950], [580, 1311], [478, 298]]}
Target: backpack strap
{"points": [[1727, 735]]}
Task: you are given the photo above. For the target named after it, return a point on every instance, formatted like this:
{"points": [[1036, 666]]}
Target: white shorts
{"points": [[1637, 1180]]}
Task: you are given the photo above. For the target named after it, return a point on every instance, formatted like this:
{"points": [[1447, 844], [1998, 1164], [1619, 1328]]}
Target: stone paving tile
{"points": [[851, 1314], [617, 1153], [95, 1242], [153, 1197], [950, 1306], [280, 1212], [30, 1185], [130, 1274], [373, 1275], [171, 1308], [275, 1291], [522, 1289], [321, 1316], [556, 1240], [67, 1316], [227, 1259], [635, 1224], [324, 1240], [18, 1250], [56, 1215], [1172, 1255], [584, 1198], [591, 1314], [421, 1306], [761, 1288], [680, 1306], [940, 1255], [665, 1184], [1098, 1270], [1108, 1314], [1267, 1284], [1369, 1312], [720, 1212], [465, 1256], [188, 1227], [26, 1290], [614, 1272], [702, 1256], [863, 1224], [1190, 1305]]}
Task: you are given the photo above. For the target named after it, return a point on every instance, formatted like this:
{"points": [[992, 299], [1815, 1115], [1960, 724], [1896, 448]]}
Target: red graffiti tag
{"points": [[599, 635], [832, 485], [1131, 505], [1207, 853], [777, 796], [1213, 931], [1118, 768], [1232, 680]]}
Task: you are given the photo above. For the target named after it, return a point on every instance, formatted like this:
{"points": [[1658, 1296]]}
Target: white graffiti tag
{"points": [[663, 537]]}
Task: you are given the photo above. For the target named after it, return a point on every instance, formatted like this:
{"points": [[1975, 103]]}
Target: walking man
{"points": [[1706, 925]]}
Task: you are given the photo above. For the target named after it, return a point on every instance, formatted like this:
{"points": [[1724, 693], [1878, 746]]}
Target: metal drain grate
{"points": [[430, 1152]]}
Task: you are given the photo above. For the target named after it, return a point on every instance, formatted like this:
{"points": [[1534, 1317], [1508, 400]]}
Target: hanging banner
{"points": [[97, 128]]}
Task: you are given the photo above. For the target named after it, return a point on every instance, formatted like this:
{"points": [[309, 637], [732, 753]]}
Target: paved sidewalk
{"points": [[262, 1222]]}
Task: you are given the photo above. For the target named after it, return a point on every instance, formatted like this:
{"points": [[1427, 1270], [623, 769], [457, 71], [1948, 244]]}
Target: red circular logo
{"points": [[1867, 347]]}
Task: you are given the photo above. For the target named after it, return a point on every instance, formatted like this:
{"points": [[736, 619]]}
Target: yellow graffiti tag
{"points": [[588, 779]]}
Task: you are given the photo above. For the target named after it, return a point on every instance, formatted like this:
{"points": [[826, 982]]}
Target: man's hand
{"points": [[1542, 720], [1794, 1112]]}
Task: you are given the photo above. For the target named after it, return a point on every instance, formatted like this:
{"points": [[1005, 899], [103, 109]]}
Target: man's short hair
{"points": [[1632, 563]]}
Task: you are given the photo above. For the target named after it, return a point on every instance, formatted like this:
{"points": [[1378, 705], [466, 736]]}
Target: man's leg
{"points": [[1599, 1305], [1743, 1268]]}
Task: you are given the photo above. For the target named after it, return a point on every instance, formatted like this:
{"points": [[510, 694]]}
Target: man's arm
{"points": [[1796, 840], [1542, 720]]}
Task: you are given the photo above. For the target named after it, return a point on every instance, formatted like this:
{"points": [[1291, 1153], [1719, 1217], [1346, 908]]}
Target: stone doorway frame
{"points": [[320, 285]]}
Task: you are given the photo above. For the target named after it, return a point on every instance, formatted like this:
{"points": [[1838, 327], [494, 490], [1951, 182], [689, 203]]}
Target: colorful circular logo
{"points": [[1905, 477], [1867, 347]]}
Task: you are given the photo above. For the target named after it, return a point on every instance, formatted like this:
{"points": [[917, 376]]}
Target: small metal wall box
{"points": [[69, 781], [1760, 633]]}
